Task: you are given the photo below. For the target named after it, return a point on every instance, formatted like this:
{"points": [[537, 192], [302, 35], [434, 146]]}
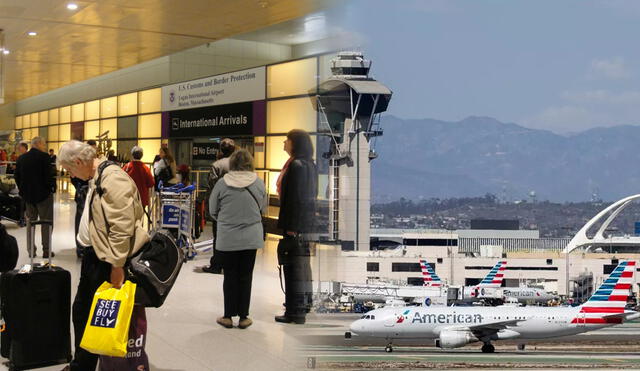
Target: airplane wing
{"points": [[484, 329], [496, 326]]}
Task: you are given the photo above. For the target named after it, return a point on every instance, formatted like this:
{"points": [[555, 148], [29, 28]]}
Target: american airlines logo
{"points": [[446, 318], [523, 293]]}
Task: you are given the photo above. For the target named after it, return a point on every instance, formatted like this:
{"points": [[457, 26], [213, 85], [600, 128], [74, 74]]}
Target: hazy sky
{"points": [[561, 65]]}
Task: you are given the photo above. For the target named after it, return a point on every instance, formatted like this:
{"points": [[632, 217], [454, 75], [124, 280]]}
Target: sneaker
{"points": [[209, 269], [45, 255], [225, 322], [244, 323]]}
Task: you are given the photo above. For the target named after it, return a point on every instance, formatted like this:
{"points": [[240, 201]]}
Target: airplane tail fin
{"points": [[606, 305], [495, 277], [429, 276]]}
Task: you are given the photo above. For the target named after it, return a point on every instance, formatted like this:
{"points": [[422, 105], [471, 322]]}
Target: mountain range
{"points": [[428, 158]]}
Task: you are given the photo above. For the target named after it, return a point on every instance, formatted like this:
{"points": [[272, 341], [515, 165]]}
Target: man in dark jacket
{"points": [[36, 182], [218, 169]]}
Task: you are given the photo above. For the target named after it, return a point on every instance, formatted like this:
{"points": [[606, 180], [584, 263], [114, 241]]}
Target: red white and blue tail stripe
{"points": [[606, 305], [495, 277], [429, 276]]}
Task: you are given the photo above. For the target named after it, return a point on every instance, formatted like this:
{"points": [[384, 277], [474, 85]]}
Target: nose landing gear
{"points": [[388, 348]]}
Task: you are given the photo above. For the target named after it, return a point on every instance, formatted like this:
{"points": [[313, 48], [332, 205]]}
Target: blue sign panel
{"points": [[185, 222], [170, 216], [637, 229]]}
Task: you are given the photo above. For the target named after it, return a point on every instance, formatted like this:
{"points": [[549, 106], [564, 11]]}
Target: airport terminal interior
{"points": [[184, 76]]}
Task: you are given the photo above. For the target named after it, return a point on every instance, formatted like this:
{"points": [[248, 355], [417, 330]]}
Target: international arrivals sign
{"points": [[234, 87], [217, 121]]}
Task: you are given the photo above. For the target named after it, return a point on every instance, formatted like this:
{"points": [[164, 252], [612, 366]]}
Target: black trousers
{"points": [[93, 273], [238, 275], [297, 282], [43, 210], [215, 262]]}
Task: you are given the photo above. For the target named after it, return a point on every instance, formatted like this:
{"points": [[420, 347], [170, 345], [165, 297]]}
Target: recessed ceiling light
{"points": [[32, 33], [72, 6]]}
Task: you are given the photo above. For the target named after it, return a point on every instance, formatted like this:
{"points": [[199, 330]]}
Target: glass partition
{"points": [[128, 104], [92, 110]]}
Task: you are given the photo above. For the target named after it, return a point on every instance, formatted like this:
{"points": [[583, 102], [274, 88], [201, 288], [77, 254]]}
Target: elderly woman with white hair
{"points": [[111, 230], [237, 203]]}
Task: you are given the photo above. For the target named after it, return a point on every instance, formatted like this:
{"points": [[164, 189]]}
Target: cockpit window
{"points": [[373, 317], [363, 317]]}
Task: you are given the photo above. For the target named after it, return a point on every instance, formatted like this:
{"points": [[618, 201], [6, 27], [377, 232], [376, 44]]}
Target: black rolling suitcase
{"points": [[36, 307]]}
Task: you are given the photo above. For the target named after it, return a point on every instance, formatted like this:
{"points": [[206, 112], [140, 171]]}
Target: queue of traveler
{"points": [[109, 223]]}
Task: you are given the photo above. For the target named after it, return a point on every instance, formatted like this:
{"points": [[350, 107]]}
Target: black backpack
{"points": [[166, 174], [8, 250]]}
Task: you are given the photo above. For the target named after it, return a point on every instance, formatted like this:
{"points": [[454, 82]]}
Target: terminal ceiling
{"points": [[102, 36]]}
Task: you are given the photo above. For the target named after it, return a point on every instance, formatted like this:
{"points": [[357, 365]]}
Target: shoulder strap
{"points": [[254, 198], [101, 168], [100, 191]]}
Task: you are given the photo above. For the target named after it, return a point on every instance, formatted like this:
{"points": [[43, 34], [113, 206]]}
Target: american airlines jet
{"points": [[454, 327], [490, 289]]}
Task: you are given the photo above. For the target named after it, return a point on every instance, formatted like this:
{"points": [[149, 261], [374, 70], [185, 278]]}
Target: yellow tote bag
{"points": [[107, 329]]}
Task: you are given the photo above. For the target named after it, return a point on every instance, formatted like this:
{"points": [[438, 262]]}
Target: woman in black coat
{"points": [[297, 187]]}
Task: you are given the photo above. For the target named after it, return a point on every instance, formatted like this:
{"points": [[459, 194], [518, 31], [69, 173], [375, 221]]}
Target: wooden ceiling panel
{"points": [[105, 35]]}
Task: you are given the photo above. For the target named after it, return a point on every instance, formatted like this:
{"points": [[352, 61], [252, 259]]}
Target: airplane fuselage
{"points": [[428, 322], [525, 295]]}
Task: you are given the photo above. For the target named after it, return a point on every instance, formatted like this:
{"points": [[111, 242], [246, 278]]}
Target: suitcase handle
{"points": [[31, 242], [39, 222]]}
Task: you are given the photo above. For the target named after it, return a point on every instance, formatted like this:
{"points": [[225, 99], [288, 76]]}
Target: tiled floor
{"points": [[182, 333]]}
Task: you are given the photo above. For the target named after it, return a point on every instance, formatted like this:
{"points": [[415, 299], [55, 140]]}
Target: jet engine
{"points": [[455, 339]]}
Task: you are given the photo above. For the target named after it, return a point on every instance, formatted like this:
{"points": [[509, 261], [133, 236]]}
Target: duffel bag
{"points": [[155, 269]]}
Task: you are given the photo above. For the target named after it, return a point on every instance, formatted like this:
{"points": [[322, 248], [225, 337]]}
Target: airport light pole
{"points": [[566, 262], [450, 252]]}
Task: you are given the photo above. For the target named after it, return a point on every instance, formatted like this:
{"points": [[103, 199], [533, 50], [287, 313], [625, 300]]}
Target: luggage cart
{"points": [[176, 215]]}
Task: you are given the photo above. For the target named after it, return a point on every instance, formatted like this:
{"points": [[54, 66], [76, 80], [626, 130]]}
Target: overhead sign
{"points": [[226, 120], [242, 86], [204, 151]]}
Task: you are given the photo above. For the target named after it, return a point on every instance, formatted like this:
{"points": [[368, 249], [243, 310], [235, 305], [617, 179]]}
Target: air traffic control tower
{"points": [[349, 104]]}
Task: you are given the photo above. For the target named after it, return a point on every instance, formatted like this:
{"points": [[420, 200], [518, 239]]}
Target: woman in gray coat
{"points": [[236, 203]]}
